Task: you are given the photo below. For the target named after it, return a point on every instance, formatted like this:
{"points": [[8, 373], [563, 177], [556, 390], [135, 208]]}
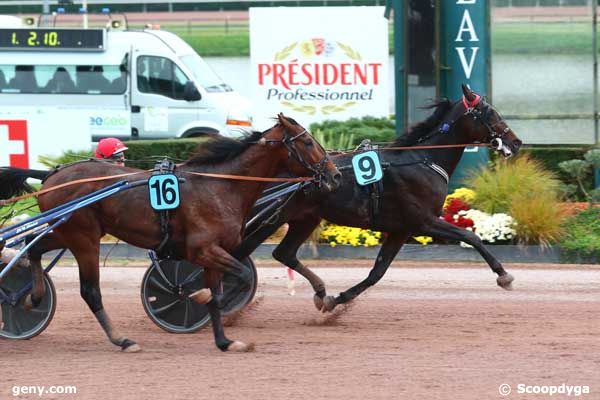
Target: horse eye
{"points": [[309, 143]]}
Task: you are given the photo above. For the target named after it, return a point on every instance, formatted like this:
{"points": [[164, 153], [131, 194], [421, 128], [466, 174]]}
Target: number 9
{"points": [[367, 166]]}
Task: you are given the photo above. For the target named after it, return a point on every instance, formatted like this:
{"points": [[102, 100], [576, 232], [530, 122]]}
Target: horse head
{"points": [[305, 155], [483, 124]]}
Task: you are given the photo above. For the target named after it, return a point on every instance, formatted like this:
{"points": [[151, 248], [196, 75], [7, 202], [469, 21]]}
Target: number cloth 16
{"points": [[367, 168], [164, 192]]}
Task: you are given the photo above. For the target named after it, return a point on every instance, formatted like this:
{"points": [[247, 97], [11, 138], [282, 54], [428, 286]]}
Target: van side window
{"points": [[159, 75], [62, 79], [24, 79], [61, 82]]}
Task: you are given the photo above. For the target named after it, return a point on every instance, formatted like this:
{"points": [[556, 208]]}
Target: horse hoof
{"points": [[505, 281], [328, 304], [132, 348], [318, 302], [240, 347], [28, 303], [202, 296]]}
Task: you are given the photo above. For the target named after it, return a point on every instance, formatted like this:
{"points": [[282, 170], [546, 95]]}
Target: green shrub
{"points": [[526, 191], [332, 140], [140, 154], [65, 158], [551, 157], [375, 129], [578, 170], [26, 206], [144, 153], [582, 234], [538, 218]]}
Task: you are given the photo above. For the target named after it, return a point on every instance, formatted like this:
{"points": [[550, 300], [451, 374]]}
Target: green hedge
{"points": [[144, 153], [376, 129], [581, 238]]}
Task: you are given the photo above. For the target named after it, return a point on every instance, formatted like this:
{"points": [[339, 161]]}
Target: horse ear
{"points": [[283, 120], [469, 94]]}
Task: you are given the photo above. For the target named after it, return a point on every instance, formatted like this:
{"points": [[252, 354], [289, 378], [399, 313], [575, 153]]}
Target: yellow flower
{"points": [[464, 194], [334, 235], [424, 240]]}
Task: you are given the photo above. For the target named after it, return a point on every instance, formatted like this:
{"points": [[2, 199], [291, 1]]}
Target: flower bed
{"points": [[491, 228]]}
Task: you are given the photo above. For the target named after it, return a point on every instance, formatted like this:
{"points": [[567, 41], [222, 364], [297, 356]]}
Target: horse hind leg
{"points": [[87, 256], [34, 261]]}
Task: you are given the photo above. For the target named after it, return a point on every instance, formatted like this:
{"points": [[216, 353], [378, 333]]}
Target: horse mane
{"points": [[423, 128], [220, 148]]}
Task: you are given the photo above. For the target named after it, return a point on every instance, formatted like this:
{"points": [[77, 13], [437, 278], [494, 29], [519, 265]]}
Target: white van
{"points": [[130, 84]]}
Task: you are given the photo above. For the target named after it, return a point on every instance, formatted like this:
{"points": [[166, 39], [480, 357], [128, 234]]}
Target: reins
{"points": [[62, 185], [248, 178], [104, 178]]}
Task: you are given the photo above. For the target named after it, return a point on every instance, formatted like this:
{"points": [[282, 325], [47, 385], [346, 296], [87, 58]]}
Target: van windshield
{"points": [[205, 76]]}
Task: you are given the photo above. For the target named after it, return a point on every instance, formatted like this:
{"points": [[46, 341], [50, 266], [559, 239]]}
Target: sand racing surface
{"points": [[426, 331]]}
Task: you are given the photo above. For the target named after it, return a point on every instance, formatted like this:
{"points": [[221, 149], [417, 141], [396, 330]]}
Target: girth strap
{"points": [[166, 248]]}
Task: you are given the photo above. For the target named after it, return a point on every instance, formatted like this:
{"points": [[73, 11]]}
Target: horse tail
{"points": [[13, 181]]}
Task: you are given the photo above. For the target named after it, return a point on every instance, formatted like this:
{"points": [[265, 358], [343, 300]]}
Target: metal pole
{"points": [[595, 51], [85, 14], [46, 7], [400, 70], [595, 57]]}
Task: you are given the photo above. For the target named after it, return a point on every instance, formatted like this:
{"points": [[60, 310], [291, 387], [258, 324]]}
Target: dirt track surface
{"points": [[421, 333]]}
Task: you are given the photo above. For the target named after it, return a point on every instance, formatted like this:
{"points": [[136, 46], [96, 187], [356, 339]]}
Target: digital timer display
{"points": [[52, 39]]}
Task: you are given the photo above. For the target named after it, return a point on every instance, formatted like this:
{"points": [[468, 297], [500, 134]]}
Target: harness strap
{"points": [[439, 170], [471, 104], [166, 248], [66, 184], [248, 178]]}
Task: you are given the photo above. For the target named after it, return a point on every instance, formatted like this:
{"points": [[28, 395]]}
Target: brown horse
{"points": [[205, 228]]}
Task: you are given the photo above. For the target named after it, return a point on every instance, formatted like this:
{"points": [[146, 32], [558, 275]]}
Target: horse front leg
{"points": [[390, 247], [445, 230], [287, 253]]}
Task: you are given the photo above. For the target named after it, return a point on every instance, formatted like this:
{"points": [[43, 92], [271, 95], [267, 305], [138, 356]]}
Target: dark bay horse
{"points": [[205, 228], [415, 185]]}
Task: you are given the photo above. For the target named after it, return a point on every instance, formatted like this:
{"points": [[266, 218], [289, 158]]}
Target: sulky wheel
{"points": [[165, 295], [15, 321]]}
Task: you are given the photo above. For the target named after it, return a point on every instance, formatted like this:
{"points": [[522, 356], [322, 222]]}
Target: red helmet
{"points": [[109, 147]]}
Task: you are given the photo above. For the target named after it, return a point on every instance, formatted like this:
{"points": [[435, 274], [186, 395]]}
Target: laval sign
{"points": [[306, 65], [466, 59]]}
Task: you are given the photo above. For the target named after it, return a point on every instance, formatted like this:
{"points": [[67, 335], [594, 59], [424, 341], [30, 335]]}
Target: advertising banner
{"points": [[318, 63]]}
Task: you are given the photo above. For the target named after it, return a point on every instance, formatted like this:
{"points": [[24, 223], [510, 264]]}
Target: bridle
{"points": [[495, 137], [318, 168]]}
